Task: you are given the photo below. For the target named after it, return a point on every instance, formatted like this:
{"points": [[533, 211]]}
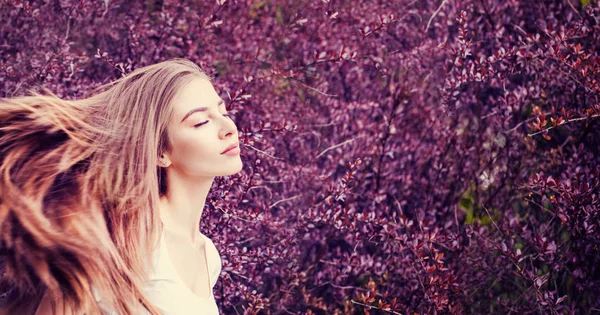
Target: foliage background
{"points": [[400, 156]]}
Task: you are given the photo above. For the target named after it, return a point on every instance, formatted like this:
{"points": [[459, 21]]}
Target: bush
{"points": [[408, 157]]}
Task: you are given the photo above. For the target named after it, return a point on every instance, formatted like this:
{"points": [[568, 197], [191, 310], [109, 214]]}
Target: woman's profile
{"points": [[101, 197]]}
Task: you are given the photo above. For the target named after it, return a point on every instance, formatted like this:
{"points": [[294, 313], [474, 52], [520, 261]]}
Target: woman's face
{"points": [[200, 130]]}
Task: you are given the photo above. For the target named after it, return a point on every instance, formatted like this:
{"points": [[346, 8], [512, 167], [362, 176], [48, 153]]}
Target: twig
{"points": [[284, 200], [524, 122], [572, 7], [263, 152], [343, 287], [491, 219], [323, 125], [238, 274], [246, 240], [435, 13], [231, 215], [335, 146], [311, 88], [375, 307], [488, 115], [68, 30], [539, 205], [566, 122], [263, 187]]}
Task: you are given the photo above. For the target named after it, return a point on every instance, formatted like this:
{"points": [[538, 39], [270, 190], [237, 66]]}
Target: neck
{"points": [[181, 208]]}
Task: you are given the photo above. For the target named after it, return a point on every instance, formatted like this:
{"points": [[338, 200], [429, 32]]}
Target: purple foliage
{"points": [[400, 156]]}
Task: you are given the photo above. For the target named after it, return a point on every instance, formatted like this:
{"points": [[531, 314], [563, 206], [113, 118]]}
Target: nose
{"points": [[228, 128]]}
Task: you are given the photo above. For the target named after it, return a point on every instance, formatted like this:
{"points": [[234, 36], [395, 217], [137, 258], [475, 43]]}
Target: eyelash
{"points": [[205, 122]]}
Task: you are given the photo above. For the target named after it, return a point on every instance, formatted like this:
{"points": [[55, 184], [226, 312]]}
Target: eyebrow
{"points": [[200, 109]]}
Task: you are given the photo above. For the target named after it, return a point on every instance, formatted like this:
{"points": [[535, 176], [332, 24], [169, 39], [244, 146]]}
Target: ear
{"points": [[164, 160]]}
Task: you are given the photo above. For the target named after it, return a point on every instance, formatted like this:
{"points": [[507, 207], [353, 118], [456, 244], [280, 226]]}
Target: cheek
{"points": [[191, 148]]}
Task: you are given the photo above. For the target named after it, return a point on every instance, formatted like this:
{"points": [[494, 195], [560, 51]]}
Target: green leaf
{"points": [[519, 246], [466, 204], [485, 220], [279, 15]]}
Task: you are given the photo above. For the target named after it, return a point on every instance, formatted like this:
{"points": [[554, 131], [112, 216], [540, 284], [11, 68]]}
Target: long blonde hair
{"points": [[80, 187]]}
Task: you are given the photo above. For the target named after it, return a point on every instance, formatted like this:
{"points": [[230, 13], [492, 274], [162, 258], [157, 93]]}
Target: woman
{"points": [[101, 197]]}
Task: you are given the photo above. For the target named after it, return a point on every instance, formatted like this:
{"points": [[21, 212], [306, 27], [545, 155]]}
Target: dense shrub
{"points": [[400, 156]]}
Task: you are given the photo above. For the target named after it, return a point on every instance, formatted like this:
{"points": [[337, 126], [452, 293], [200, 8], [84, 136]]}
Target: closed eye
{"points": [[205, 122], [200, 124]]}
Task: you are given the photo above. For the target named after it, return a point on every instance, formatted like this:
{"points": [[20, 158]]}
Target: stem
{"points": [[375, 307], [566, 122]]}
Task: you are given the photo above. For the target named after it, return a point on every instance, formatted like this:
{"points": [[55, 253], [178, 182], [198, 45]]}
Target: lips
{"points": [[233, 146]]}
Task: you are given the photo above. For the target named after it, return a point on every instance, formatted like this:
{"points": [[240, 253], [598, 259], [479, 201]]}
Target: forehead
{"points": [[199, 92]]}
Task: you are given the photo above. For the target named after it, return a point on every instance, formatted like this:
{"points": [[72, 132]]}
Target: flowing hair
{"points": [[79, 190]]}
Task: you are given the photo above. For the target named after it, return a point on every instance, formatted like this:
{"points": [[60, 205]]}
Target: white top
{"points": [[169, 293]]}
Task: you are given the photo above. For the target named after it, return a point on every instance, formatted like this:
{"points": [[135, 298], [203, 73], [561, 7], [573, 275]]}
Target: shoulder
{"points": [[209, 242], [213, 257]]}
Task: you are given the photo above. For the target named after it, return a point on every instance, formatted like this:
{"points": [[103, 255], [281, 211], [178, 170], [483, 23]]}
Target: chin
{"points": [[234, 169]]}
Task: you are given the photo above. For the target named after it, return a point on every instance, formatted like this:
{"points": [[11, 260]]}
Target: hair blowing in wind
{"points": [[79, 190]]}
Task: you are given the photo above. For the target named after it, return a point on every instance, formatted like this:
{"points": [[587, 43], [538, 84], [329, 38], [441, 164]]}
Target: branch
{"points": [[310, 87], [566, 122], [284, 200], [263, 152], [492, 219], [375, 307], [335, 146], [524, 122], [435, 13]]}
